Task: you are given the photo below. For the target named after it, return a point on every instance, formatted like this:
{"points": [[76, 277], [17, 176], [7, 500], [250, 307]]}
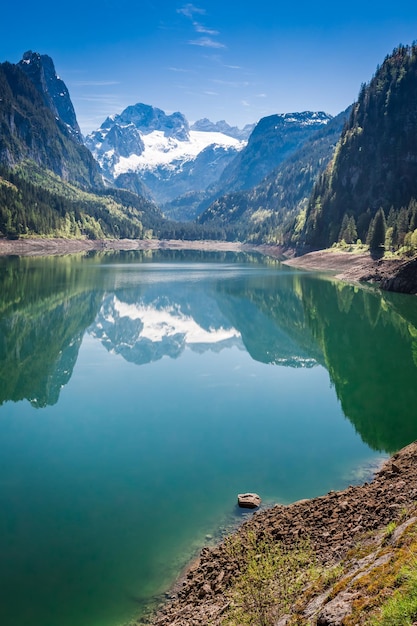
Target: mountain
{"points": [[223, 127], [31, 126], [273, 139], [145, 146], [374, 166], [34, 201], [268, 211], [50, 183], [40, 69]]}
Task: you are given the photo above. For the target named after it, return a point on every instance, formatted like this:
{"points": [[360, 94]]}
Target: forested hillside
{"points": [[50, 183], [34, 201], [269, 211], [370, 189], [30, 130]]}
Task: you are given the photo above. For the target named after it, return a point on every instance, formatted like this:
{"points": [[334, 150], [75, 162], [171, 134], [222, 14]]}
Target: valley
{"points": [[191, 309]]}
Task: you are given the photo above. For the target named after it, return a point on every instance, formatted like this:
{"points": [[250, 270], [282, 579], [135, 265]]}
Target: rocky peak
{"points": [[40, 69], [222, 126], [148, 119]]}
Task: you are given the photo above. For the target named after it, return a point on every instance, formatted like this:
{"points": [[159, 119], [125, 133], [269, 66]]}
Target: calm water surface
{"points": [[139, 393]]}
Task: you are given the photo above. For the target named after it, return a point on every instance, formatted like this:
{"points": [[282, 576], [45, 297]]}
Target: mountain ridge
{"points": [[222, 126], [50, 183], [268, 211], [160, 152]]}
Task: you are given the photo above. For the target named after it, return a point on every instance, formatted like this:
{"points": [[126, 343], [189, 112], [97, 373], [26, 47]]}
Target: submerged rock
{"points": [[248, 500]]}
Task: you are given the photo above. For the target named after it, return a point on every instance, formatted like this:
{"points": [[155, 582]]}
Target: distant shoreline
{"points": [[45, 246], [391, 274]]}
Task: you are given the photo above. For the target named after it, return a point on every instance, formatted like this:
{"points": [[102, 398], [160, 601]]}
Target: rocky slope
{"points": [[161, 152], [393, 274], [32, 126], [40, 69], [273, 139], [347, 533]]}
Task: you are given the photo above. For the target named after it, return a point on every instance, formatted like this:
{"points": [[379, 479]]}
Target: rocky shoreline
{"points": [[333, 524], [398, 275]]}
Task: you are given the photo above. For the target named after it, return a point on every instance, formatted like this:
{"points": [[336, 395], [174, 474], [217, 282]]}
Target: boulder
{"points": [[248, 500]]}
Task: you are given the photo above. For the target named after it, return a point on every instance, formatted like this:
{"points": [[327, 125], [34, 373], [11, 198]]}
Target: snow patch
{"points": [[161, 150]]}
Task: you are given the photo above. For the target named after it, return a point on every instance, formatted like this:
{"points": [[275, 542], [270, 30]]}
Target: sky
{"points": [[210, 58]]}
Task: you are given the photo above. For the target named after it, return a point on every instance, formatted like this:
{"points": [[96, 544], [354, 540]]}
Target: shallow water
{"points": [[140, 392]]}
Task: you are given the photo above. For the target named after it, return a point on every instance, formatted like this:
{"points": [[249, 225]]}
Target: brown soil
{"points": [[333, 523]]}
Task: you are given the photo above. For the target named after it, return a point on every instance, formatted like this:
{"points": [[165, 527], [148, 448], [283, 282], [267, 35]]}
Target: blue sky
{"points": [[235, 61]]}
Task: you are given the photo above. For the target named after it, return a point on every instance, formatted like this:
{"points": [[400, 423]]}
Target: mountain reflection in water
{"points": [[140, 392], [145, 311]]}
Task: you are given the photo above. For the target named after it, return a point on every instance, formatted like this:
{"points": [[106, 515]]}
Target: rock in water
{"points": [[248, 500]]}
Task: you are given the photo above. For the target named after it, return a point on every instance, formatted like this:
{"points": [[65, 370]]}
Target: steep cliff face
{"points": [[30, 129], [41, 71]]}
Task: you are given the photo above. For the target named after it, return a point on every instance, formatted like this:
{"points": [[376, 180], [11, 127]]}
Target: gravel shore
{"points": [[334, 524]]}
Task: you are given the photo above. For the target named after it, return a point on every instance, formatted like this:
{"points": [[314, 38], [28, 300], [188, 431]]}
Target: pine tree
{"points": [[377, 230]]}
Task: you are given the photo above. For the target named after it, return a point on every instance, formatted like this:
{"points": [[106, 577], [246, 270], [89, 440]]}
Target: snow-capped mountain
{"points": [[223, 127], [162, 151], [273, 139]]}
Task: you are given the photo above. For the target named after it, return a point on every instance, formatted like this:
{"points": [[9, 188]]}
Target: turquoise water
{"points": [[140, 393]]}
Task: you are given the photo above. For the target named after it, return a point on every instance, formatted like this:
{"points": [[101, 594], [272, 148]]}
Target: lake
{"points": [[140, 392]]}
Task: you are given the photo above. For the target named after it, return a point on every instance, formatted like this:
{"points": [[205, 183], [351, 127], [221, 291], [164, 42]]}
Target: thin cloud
{"points": [[217, 58], [189, 10], [261, 95], [211, 93], [206, 42], [199, 28], [230, 83], [180, 70], [245, 103]]}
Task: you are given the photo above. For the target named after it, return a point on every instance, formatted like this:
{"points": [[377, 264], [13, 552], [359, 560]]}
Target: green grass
{"points": [[270, 578], [401, 608]]}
